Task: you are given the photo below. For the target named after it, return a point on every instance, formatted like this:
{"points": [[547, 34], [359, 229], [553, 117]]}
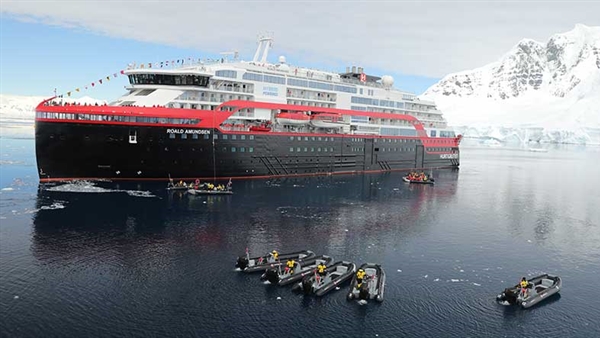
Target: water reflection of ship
{"points": [[112, 223]]}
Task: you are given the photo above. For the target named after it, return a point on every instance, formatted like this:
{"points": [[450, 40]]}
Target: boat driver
{"points": [[290, 266], [360, 274], [524, 284], [321, 269]]}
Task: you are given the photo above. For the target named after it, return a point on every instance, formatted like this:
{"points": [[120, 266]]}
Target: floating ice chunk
{"points": [[461, 270], [436, 280], [528, 241], [337, 287], [425, 276], [16, 297], [7, 189], [476, 284], [278, 298], [399, 270]]}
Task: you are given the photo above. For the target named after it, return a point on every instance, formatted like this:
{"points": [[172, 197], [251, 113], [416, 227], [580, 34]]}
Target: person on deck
{"points": [[274, 255]]}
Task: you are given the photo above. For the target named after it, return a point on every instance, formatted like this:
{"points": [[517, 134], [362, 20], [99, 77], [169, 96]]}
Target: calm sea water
{"points": [[105, 259]]}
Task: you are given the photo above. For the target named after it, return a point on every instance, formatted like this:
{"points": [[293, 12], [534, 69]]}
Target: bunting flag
{"points": [[122, 72], [108, 78], [85, 87], [114, 74], [77, 90], [100, 81], [149, 65], [68, 93], [93, 84]]}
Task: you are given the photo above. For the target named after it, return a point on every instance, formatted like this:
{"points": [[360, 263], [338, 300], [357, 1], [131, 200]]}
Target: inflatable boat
{"points": [[372, 286], [335, 275], [281, 276], [407, 180], [254, 264], [540, 288]]}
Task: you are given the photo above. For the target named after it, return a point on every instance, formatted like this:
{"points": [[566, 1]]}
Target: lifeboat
{"points": [[293, 118], [327, 120]]}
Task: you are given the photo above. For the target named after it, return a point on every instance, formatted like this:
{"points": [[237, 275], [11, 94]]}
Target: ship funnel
{"points": [[353, 69], [360, 70]]}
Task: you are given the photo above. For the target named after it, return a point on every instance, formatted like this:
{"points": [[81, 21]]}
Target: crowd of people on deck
{"points": [[414, 176]]}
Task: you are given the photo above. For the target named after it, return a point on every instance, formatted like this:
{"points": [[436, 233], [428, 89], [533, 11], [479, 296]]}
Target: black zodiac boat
{"points": [[335, 275], [209, 192], [407, 180], [540, 288], [372, 286], [304, 267], [254, 264]]}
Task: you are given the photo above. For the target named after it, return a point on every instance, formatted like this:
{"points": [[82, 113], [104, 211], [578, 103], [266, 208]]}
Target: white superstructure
{"points": [[206, 84]]}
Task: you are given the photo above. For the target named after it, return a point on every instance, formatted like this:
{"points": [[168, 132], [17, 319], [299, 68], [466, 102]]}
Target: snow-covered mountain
{"points": [[17, 113], [553, 86]]}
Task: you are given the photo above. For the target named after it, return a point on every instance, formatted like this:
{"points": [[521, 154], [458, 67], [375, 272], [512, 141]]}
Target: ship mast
{"points": [[265, 42]]}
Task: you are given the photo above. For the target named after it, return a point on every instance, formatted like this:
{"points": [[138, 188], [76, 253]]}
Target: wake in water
{"points": [[90, 187]]}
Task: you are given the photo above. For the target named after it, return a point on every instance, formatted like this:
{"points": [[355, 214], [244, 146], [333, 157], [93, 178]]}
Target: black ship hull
{"points": [[67, 151]]}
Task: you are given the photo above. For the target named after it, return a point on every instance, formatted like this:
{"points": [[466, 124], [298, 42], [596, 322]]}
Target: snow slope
{"points": [[553, 86]]}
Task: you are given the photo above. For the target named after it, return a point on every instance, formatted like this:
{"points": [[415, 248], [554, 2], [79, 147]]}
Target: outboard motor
{"points": [[364, 291], [242, 262], [272, 276], [509, 296], [307, 286]]}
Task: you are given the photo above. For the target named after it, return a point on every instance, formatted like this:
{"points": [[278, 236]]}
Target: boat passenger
{"points": [[274, 255], [360, 274], [290, 266], [321, 269]]}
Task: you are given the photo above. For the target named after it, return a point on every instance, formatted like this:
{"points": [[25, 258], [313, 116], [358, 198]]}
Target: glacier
{"points": [[534, 93]]}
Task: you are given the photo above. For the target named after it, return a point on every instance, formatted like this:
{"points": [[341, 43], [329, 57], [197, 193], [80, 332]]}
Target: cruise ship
{"points": [[229, 118]]}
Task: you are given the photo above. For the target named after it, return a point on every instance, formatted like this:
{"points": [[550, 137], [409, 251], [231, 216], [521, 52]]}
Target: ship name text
{"points": [[188, 131]]}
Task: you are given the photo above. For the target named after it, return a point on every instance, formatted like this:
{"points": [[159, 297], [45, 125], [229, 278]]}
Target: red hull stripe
{"points": [[214, 118], [47, 180]]}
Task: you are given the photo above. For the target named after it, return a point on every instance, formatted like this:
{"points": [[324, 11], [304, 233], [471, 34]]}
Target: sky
{"points": [[70, 44]]}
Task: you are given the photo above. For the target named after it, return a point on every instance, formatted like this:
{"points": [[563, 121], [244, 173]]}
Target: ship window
{"points": [[215, 137], [242, 149], [233, 149], [312, 149], [319, 139], [243, 137], [299, 138], [206, 136], [171, 136], [252, 76], [305, 149], [291, 138], [226, 73], [233, 137], [325, 149], [305, 138], [319, 149], [195, 136], [252, 137], [250, 150], [291, 149], [224, 148], [224, 137], [313, 138], [298, 149], [183, 136], [331, 150]]}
